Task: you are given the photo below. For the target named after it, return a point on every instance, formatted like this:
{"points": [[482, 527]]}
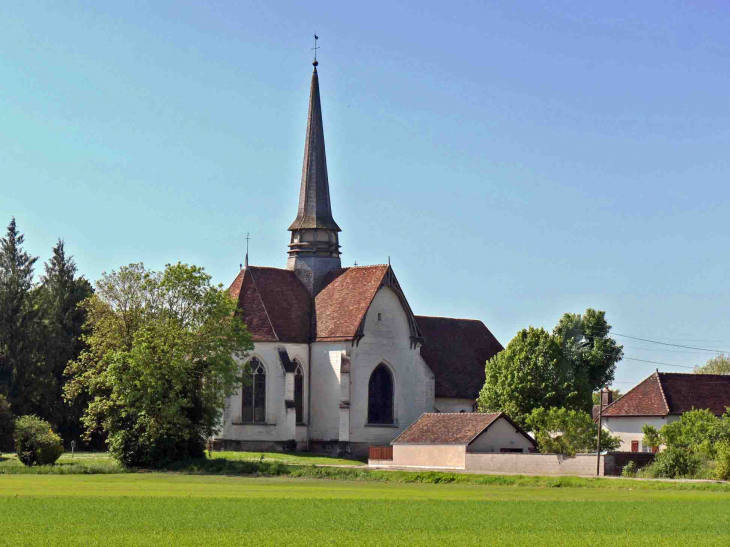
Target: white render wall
{"points": [[453, 404], [388, 341], [501, 434], [275, 427], [628, 428]]}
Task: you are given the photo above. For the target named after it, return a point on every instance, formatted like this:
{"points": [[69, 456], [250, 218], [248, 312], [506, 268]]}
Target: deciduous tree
{"points": [[562, 431], [161, 358], [716, 365]]}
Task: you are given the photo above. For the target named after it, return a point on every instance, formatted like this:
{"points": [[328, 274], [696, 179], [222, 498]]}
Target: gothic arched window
{"points": [[299, 394], [253, 399], [380, 396]]}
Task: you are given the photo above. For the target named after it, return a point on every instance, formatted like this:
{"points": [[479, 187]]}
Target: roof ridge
{"points": [[253, 280], [661, 388], [456, 318]]}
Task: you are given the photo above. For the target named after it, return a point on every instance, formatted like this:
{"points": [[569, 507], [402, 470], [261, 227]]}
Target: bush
{"points": [[7, 425], [675, 463], [35, 441], [722, 460], [629, 469]]}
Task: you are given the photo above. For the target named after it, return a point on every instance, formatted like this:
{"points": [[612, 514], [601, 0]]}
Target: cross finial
{"points": [[315, 48], [247, 238]]}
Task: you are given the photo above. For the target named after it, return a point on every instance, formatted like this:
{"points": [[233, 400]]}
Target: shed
{"points": [[442, 441]]}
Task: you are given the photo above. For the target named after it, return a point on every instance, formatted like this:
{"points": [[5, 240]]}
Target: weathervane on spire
{"points": [[315, 48]]}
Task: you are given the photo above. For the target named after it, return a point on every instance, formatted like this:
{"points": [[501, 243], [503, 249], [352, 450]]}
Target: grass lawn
{"points": [[100, 462], [174, 509]]}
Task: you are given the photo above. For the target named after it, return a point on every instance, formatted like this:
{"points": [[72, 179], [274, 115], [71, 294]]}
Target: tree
{"points": [[652, 437], [587, 345], [530, 373], [23, 378], [715, 365], [563, 431], [163, 352], [60, 295], [7, 425], [696, 431], [562, 369]]}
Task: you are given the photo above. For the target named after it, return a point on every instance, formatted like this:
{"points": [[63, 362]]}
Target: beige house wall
{"points": [[501, 434], [629, 428], [435, 456]]}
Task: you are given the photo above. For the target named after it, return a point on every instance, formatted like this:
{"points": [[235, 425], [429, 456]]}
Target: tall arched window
{"points": [[253, 400], [299, 394], [380, 396]]}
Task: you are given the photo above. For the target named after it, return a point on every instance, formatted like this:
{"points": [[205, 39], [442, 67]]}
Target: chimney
{"points": [[606, 397]]}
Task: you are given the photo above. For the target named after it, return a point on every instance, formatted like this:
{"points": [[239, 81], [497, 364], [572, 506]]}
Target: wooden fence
{"points": [[381, 453]]}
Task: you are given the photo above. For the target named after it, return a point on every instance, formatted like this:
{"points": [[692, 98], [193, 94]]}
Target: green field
{"points": [[175, 509]]}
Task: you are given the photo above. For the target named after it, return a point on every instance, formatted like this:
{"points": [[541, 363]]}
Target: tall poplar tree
{"points": [[22, 375]]}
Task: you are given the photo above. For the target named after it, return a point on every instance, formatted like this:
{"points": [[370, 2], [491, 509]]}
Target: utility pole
{"points": [[600, 427]]}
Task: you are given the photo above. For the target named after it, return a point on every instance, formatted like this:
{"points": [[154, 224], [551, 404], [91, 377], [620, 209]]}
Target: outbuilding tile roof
{"points": [[457, 351], [665, 393], [341, 305], [432, 428]]}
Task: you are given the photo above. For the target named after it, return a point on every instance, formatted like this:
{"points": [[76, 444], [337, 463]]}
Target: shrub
{"points": [[7, 425], [629, 469], [35, 441], [722, 460], [674, 463]]}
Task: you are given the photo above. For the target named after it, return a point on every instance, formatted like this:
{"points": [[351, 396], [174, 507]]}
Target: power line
{"points": [[667, 350], [667, 344], [658, 363]]}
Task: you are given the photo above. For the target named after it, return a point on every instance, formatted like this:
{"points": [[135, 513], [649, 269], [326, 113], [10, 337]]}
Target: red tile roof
{"points": [[457, 351], [341, 305], [665, 393], [274, 304], [463, 428]]}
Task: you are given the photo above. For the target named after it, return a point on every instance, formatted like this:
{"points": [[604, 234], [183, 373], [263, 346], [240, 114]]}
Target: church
{"points": [[340, 361]]}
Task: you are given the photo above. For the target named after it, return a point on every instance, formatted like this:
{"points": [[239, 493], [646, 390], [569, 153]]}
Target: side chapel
{"points": [[340, 361]]}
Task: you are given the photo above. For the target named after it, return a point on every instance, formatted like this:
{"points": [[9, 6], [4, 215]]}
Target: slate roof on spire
{"points": [[314, 210]]}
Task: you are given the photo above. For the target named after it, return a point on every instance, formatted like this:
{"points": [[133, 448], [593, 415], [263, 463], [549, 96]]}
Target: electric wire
{"points": [[668, 344]]}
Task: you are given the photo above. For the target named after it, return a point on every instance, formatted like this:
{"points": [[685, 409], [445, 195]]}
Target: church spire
{"points": [[315, 210], [314, 249]]}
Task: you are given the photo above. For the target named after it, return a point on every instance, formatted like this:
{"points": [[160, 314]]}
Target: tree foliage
{"points": [[652, 437], [715, 365], [563, 431], [562, 369], [7, 425], [161, 357], [35, 441]]}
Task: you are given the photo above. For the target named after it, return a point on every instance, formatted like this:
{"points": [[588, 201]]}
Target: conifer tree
{"points": [[22, 376], [60, 294]]}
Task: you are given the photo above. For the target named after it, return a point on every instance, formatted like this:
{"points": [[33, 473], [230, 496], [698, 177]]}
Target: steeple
{"points": [[314, 248], [315, 210]]}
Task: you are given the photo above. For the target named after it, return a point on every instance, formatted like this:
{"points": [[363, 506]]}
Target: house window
{"points": [[634, 446], [299, 394], [253, 396], [380, 317], [380, 396]]}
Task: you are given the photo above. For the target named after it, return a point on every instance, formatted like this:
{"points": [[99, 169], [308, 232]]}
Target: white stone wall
{"points": [[275, 427], [501, 434], [388, 341], [628, 428], [453, 404], [534, 464]]}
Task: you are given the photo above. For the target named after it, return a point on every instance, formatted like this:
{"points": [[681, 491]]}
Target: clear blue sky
{"points": [[516, 160]]}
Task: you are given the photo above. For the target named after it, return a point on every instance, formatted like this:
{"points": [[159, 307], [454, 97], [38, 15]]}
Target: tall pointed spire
{"points": [[315, 210], [314, 248]]}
